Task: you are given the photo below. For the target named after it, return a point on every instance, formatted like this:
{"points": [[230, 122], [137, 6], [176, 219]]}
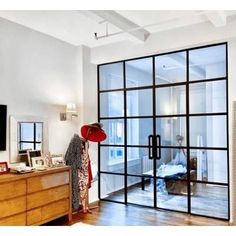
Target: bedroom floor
{"points": [[113, 214], [207, 200]]}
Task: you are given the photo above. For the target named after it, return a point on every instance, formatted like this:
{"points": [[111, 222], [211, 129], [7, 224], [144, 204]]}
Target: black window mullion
{"points": [[99, 148], [227, 128], [154, 132], [20, 134], [37, 142], [34, 136], [163, 146], [125, 135], [209, 114], [207, 80], [187, 133]]}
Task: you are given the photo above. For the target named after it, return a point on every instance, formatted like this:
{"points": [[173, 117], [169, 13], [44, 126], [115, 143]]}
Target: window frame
{"points": [[34, 142]]}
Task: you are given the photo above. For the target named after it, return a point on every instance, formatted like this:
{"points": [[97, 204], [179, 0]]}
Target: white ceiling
{"points": [[78, 27]]}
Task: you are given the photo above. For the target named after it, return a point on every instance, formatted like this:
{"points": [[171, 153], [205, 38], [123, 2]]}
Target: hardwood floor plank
{"points": [[113, 214]]}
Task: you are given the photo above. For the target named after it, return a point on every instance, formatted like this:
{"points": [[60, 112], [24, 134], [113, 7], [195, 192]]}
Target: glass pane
{"points": [[114, 129], [209, 200], [207, 63], [26, 131], [26, 146], [172, 194], [112, 104], [138, 131], [171, 130], [138, 161], [111, 76], [38, 146], [139, 72], [208, 131], [139, 102], [207, 97], [170, 68], [112, 187], [209, 165], [172, 162], [172, 191], [39, 132], [171, 100], [140, 191], [112, 159]]}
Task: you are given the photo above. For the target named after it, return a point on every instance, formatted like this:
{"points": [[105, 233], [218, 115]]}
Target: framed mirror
{"points": [[27, 133]]}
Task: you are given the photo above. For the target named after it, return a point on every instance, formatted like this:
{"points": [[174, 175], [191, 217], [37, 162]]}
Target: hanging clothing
{"points": [[78, 158], [73, 159], [84, 172]]}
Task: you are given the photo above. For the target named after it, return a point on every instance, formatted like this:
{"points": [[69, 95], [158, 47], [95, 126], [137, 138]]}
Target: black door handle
{"points": [[154, 147], [158, 147], [150, 144]]}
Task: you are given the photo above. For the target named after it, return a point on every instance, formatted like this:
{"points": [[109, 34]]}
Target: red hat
{"points": [[93, 132]]}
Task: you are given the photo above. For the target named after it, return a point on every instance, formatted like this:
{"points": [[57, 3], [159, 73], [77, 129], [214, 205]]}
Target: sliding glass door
{"points": [[166, 119]]}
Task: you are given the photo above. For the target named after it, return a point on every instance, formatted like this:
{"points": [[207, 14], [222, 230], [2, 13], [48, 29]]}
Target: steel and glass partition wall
{"points": [[166, 118]]}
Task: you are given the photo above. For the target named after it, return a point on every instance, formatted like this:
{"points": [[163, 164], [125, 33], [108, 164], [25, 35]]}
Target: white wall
{"points": [[88, 103], [38, 76]]}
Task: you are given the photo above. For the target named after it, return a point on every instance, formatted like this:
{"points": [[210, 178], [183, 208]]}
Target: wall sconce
{"points": [[71, 112]]}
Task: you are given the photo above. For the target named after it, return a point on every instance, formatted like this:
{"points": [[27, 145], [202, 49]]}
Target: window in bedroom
{"points": [[30, 135]]}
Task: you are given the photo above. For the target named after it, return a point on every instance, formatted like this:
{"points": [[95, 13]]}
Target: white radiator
{"points": [[146, 164]]}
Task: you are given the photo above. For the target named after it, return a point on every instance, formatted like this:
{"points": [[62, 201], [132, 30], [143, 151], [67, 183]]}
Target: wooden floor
{"points": [[206, 200], [114, 214]]}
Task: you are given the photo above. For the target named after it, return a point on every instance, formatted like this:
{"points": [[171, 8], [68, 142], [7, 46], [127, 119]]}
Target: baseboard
{"points": [[94, 204]]}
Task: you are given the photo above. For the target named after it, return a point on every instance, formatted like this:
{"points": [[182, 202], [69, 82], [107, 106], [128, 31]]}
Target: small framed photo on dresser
{"points": [[3, 168], [38, 161], [57, 160], [34, 157]]}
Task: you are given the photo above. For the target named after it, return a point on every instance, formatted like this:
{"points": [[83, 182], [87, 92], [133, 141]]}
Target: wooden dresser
{"points": [[35, 198]]}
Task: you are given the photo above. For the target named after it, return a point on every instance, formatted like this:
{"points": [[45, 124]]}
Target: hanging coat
{"points": [[73, 159], [84, 172]]}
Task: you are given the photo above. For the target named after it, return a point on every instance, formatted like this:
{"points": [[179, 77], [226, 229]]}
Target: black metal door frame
{"points": [[187, 115]]}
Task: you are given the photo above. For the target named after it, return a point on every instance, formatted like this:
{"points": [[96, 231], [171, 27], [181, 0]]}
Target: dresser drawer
{"points": [[12, 206], [39, 183], [54, 209], [49, 211], [16, 220], [47, 196], [34, 216], [12, 189]]}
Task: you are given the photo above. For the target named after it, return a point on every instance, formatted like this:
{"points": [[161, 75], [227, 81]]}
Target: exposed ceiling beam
{"points": [[90, 15], [217, 18], [123, 23]]}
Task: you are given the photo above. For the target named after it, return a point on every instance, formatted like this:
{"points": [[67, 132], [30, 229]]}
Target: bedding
{"points": [[172, 172]]}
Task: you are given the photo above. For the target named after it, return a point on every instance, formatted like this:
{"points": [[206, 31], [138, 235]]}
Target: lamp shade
{"points": [[71, 108]]}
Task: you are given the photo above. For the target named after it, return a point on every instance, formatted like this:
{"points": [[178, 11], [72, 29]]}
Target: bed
{"points": [[172, 174]]}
